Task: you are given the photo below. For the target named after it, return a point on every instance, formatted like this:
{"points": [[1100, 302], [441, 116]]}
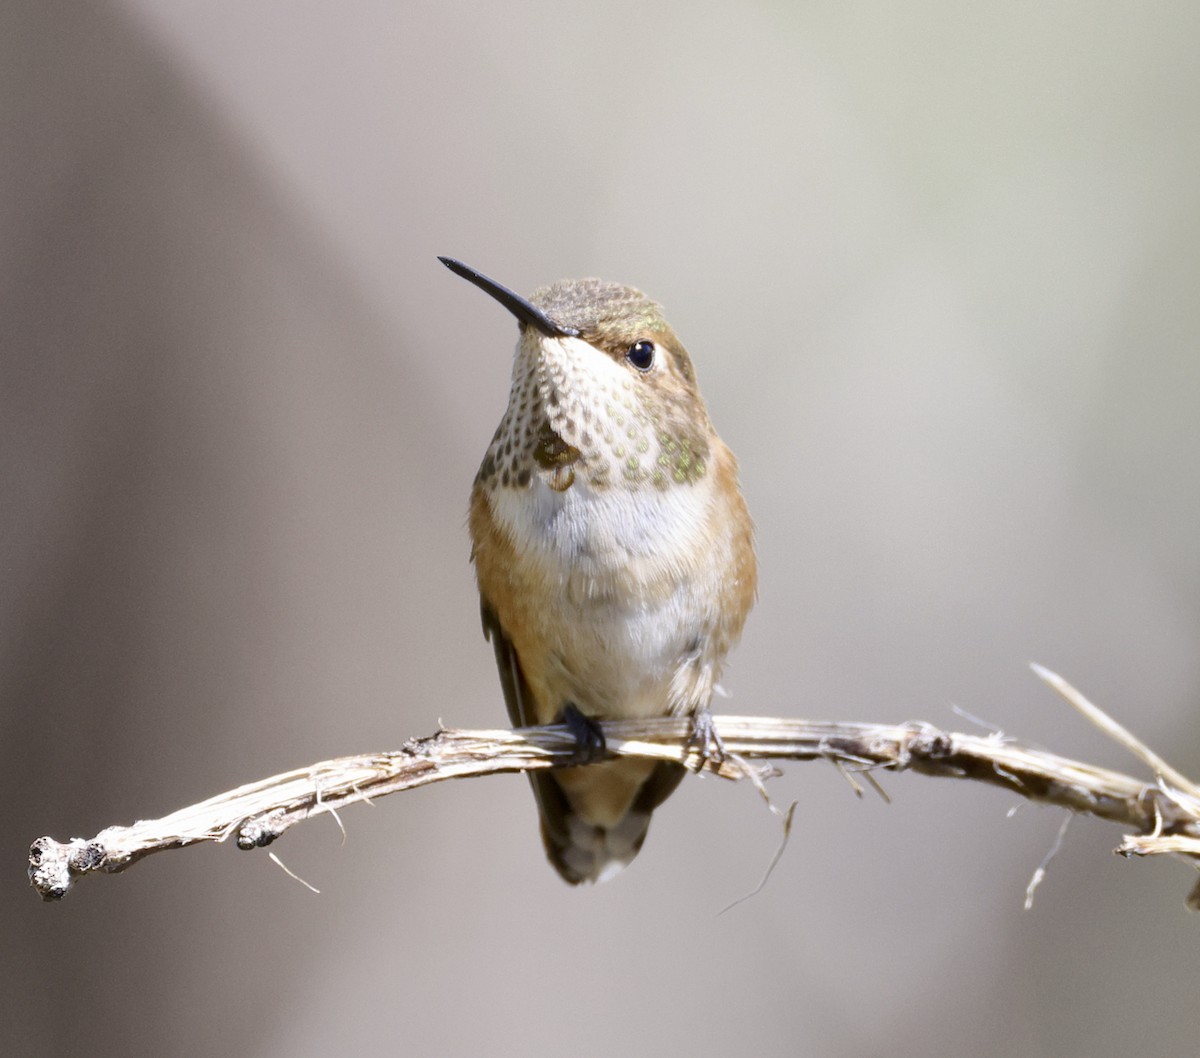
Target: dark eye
{"points": [[641, 355]]}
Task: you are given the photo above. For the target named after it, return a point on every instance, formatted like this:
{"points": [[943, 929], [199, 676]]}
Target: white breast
{"points": [[630, 607]]}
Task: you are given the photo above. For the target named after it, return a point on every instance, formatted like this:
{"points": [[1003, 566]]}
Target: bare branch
{"points": [[1182, 788], [1163, 814]]}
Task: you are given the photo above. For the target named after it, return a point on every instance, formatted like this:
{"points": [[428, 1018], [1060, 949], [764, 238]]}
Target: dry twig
{"points": [[1164, 813]]}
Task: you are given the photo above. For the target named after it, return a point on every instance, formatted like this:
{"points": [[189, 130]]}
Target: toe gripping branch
{"points": [[590, 746]]}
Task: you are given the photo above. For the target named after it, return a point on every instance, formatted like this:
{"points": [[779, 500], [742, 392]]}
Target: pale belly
{"points": [[614, 607]]}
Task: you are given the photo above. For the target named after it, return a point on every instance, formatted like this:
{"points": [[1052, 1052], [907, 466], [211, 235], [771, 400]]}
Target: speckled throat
{"points": [[577, 410]]}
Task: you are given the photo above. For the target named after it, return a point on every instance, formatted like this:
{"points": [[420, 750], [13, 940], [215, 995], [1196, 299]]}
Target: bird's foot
{"points": [[705, 740], [590, 746]]}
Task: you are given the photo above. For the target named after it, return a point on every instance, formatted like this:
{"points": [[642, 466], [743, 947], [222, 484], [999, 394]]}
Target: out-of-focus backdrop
{"points": [[938, 268]]}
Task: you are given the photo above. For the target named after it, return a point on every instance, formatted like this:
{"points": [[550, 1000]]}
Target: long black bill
{"points": [[517, 305]]}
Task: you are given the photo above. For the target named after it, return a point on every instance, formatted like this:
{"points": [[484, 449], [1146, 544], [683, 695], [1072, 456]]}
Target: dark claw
{"points": [[589, 739], [705, 740]]}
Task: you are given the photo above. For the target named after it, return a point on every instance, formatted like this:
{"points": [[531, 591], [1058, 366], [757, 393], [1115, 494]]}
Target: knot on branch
{"points": [[258, 833], [54, 865], [925, 743]]}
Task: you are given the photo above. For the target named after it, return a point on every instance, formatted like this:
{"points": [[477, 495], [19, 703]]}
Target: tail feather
{"points": [[585, 840]]}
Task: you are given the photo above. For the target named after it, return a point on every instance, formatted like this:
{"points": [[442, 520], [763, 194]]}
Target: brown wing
{"points": [[512, 679], [552, 804]]}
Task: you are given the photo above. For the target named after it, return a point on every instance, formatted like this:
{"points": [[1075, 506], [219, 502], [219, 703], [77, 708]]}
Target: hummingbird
{"points": [[613, 551]]}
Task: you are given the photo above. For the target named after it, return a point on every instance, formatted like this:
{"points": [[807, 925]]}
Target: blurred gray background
{"points": [[938, 268]]}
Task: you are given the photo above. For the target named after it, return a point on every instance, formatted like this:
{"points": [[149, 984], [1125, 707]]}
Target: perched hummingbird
{"points": [[613, 550]]}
